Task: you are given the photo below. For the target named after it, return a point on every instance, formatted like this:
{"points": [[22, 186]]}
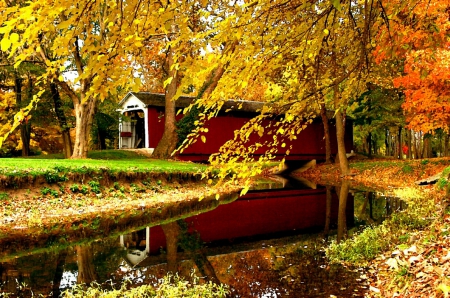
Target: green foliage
{"points": [[84, 189], [170, 286], [424, 162], [186, 125], [407, 169], [443, 181], [377, 113], [95, 186], [105, 128], [53, 176], [74, 188], [45, 191], [3, 196]]}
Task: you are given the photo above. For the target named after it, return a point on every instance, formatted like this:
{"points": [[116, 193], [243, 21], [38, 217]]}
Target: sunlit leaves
{"points": [[418, 38]]}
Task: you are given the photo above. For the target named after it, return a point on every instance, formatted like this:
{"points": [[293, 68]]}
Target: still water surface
{"points": [[268, 243]]}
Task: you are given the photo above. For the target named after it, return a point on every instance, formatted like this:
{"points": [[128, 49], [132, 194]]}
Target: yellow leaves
{"points": [[260, 131], [245, 190], [137, 84], [203, 138], [5, 44], [14, 37], [444, 288], [167, 81]]}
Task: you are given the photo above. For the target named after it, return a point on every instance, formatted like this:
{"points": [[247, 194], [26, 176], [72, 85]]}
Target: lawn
{"points": [[113, 160]]}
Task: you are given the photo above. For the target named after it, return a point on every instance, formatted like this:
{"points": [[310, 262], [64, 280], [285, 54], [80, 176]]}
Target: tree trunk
{"points": [[386, 142], [85, 261], [408, 136], [427, 150], [25, 134], [418, 145], [400, 142], [446, 141], [369, 143], [62, 120], [25, 126], [326, 129], [340, 134], [84, 115], [169, 139]]}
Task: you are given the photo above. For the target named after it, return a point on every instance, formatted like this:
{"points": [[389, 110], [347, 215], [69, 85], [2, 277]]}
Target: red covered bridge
{"points": [[144, 127]]}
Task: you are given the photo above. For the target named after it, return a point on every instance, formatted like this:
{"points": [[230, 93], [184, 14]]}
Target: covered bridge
{"points": [[143, 125]]}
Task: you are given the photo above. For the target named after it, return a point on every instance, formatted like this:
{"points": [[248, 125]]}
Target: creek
{"points": [[268, 243]]}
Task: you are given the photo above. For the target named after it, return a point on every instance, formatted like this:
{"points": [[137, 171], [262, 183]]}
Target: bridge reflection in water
{"points": [[245, 234], [283, 207]]}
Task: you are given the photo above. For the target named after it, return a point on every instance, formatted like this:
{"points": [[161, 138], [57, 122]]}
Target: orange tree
{"points": [[415, 36]]}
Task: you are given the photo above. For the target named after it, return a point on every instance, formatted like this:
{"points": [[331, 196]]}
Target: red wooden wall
{"points": [[310, 143]]}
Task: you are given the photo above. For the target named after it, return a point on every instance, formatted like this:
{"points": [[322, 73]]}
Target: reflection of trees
{"points": [[171, 231], [85, 261], [329, 198], [342, 217], [250, 273], [297, 269], [33, 275], [60, 261], [193, 245], [375, 208]]}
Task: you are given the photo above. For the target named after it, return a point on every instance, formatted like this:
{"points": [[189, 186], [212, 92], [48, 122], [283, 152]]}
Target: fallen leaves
{"points": [[421, 266], [419, 270]]}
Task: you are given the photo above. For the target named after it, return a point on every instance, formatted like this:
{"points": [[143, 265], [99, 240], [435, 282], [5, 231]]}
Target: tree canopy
{"points": [[293, 55]]}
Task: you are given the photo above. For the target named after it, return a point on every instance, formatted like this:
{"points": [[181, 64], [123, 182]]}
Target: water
{"points": [[266, 244]]}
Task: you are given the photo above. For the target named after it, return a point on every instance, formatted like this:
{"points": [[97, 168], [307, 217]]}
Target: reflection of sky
{"points": [[135, 275], [69, 279]]}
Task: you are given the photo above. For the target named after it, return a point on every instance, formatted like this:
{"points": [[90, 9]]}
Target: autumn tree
{"points": [[20, 81], [416, 33], [299, 50], [93, 40]]}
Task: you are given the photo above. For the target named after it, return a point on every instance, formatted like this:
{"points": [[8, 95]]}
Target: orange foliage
{"points": [[418, 35], [152, 59]]}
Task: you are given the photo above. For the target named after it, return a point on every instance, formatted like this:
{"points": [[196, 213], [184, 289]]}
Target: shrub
{"points": [[45, 191], [170, 286], [74, 188]]}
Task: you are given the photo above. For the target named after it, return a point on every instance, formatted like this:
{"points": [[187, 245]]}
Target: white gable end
{"points": [[135, 132], [131, 102]]}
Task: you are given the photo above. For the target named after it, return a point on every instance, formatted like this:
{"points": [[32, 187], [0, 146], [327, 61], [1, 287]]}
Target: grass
{"points": [[9, 165], [16, 173], [97, 154]]}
